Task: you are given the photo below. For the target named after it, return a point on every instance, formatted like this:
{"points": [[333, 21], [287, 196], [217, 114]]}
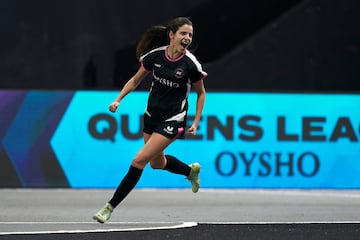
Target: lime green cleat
{"points": [[104, 214], [194, 177]]}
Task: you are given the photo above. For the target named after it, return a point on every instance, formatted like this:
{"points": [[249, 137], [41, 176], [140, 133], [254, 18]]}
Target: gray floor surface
{"points": [[70, 210]]}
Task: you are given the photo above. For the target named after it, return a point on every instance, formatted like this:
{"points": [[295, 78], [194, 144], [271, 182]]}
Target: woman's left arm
{"points": [[201, 93]]}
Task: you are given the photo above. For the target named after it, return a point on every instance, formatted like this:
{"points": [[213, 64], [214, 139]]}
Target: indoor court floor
{"points": [[180, 214]]}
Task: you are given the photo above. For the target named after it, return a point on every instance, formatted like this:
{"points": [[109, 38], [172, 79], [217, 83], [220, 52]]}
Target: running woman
{"points": [[162, 50]]}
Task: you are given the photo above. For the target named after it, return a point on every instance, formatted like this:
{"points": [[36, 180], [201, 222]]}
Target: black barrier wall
{"points": [[313, 46], [300, 45]]}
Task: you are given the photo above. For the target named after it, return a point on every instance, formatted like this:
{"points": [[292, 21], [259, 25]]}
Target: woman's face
{"points": [[182, 38]]}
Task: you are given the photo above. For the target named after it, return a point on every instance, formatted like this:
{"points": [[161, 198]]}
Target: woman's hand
{"points": [[192, 130], [113, 106]]}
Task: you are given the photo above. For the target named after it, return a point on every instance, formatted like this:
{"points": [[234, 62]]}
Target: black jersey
{"points": [[171, 83]]}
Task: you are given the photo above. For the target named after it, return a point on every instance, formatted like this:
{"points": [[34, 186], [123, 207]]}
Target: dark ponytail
{"points": [[155, 36], [158, 35]]}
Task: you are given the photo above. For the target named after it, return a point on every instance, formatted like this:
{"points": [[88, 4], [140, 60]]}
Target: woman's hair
{"points": [[158, 35]]}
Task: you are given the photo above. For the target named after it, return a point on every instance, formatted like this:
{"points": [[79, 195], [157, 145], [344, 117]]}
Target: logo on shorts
{"points": [[169, 129]]}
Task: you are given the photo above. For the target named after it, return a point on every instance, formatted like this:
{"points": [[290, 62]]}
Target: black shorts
{"points": [[169, 129]]}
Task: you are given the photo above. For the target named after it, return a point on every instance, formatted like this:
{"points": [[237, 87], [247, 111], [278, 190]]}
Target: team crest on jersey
{"points": [[179, 73]]}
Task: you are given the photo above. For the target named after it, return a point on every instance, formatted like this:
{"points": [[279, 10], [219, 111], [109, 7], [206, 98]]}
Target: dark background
{"points": [[260, 45]]}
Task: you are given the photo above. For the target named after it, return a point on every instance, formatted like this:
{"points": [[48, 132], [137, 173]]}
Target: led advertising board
{"points": [[244, 140]]}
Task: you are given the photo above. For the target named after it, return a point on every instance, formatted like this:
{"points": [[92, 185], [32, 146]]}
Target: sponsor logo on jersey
{"points": [[165, 82]]}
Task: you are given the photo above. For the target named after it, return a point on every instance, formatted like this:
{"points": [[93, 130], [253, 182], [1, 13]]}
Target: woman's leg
{"points": [[174, 165], [191, 171], [171, 164], [154, 144], [168, 162]]}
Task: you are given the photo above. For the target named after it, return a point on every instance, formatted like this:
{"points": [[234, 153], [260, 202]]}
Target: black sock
{"points": [[126, 185], [174, 165]]}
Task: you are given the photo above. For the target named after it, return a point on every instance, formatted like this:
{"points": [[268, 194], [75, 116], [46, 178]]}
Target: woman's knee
{"points": [[158, 162], [139, 162], [156, 165]]}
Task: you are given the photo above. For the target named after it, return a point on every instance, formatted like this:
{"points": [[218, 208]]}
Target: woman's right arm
{"points": [[131, 85]]}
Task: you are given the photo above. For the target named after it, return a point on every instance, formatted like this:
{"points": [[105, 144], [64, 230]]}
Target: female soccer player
{"points": [[163, 51]]}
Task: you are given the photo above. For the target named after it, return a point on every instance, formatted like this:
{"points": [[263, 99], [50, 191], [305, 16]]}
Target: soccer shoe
{"points": [[194, 177], [104, 214]]}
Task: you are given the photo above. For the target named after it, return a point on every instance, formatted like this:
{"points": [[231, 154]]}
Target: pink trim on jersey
{"points": [[142, 65], [173, 59]]}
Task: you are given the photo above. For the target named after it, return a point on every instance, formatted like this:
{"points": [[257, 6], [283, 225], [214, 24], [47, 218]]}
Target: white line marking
{"points": [[177, 225], [181, 225], [90, 222], [295, 223]]}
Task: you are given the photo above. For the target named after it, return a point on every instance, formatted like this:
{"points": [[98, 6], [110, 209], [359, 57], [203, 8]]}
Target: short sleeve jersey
{"points": [[171, 83]]}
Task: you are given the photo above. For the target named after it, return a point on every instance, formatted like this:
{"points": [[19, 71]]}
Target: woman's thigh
{"points": [[153, 150]]}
